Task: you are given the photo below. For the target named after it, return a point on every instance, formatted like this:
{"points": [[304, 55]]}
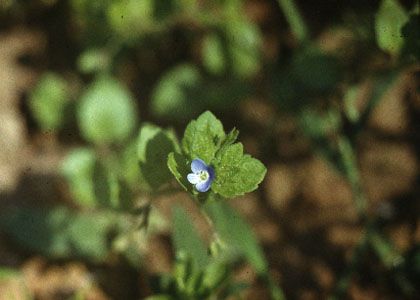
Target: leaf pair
{"points": [[93, 183], [153, 146], [196, 274], [235, 172], [61, 233]]}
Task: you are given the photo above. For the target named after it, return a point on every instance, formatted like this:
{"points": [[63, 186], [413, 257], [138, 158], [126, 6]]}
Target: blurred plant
{"points": [[309, 85], [117, 194], [114, 178], [48, 101], [230, 48], [200, 274], [17, 288], [111, 180]]}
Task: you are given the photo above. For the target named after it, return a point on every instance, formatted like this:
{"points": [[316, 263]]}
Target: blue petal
{"points": [[210, 170], [198, 165], [203, 186], [193, 178]]}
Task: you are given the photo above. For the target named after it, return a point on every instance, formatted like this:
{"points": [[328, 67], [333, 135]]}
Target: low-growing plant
{"points": [[122, 163]]}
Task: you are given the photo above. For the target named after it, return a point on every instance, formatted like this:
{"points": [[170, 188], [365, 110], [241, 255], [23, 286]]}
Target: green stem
{"points": [[349, 162], [345, 279], [348, 158], [276, 292], [295, 20]]}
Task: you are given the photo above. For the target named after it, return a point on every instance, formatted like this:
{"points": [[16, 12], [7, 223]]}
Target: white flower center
{"points": [[203, 175]]}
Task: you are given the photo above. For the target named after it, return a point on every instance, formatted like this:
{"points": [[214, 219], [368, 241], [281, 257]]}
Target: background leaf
{"points": [[411, 34], [48, 101], [237, 234], [78, 168], [60, 232], [388, 23], [170, 97], [137, 17], [107, 112], [154, 145], [187, 240], [244, 44], [214, 54], [93, 183], [93, 60], [311, 73]]}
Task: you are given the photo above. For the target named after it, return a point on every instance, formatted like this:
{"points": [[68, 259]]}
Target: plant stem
{"points": [[344, 281], [295, 20], [349, 161]]}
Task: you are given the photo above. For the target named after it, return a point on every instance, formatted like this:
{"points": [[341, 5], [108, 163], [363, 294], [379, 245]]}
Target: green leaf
{"points": [[163, 9], [6, 273], [350, 101], [202, 137], [92, 184], [388, 23], [107, 187], [315, 71], [236, 288], [236, 173], [213, 52], [59, 232], [89, 237], [311, 73], [107, 112], [237, 233], [216, 273], [230, 138], [182, 93], [187, 240], [320, 125], [188, 277], [78, 168], [170, 97], [180, 167], [93, 60], [49, 100], [129, 18], [153, 147], [411, 34], [294, 18], [38, 230], [130, 168], [244, 44]]}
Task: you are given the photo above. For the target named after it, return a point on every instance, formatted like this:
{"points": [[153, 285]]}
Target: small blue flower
{"points": [[202, 175]]}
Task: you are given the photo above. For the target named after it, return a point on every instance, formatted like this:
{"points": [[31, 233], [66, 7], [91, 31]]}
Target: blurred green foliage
{"points": [[107, 112], [237, 235], [200, 275], [120, 165], [153, 146], [48, 101], [388, 23], [411, 34], [61, 233]]}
